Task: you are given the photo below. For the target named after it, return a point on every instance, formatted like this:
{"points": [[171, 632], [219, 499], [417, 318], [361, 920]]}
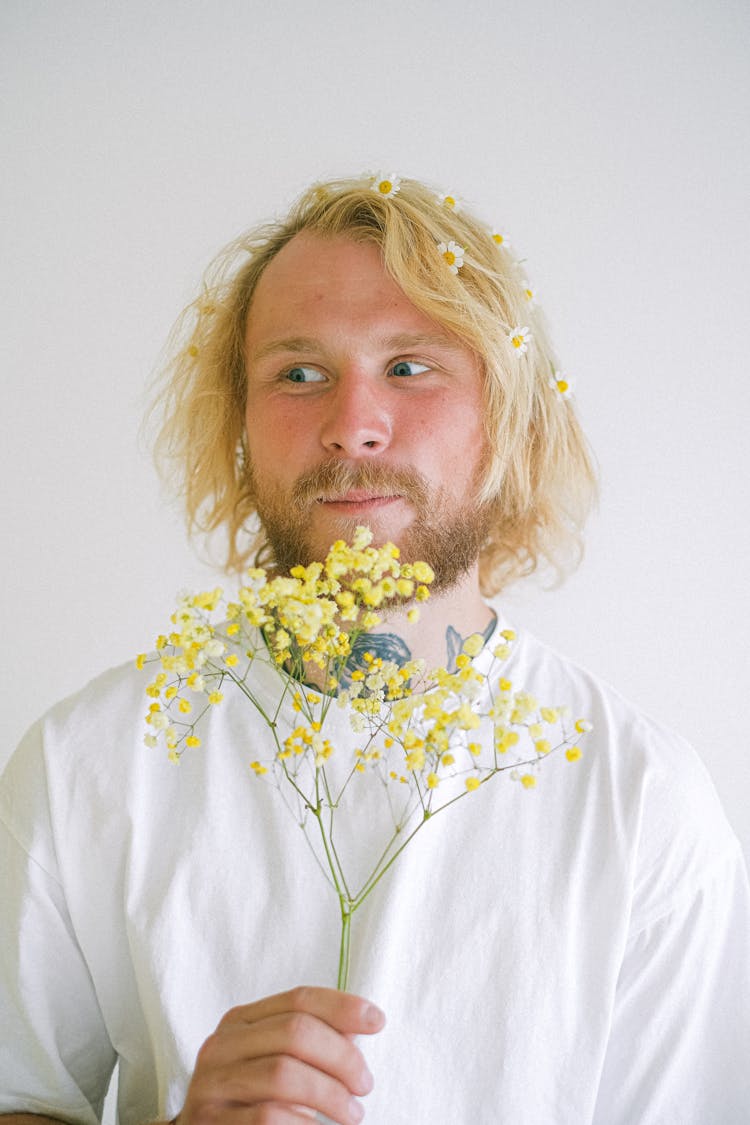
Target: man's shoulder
{"points": [[629, 728], [645, 778]]}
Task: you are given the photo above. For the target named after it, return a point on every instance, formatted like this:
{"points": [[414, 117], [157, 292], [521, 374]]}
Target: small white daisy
{"points": [[519, 339], [562, 384], [449, 200], [529, 292], [500, 239], [453, 255], [386, 183]]}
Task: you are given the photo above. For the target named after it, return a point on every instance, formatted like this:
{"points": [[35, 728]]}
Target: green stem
{"points": [[344, 946]]}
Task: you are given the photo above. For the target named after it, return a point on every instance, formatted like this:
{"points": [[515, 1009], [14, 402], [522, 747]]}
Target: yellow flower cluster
{"points": [[301, 623], [440, 734], [459, 724]]}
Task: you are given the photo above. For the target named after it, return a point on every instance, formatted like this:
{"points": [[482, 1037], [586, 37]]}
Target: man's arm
{"points": [[680, 1036], [29, 1119], [278, 1059]]}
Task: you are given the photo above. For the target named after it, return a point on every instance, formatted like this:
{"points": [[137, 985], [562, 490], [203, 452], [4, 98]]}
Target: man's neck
{"points": [[446, 619]]}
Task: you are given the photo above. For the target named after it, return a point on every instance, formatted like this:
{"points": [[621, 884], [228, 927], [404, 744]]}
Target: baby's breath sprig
{"points": [[428, 737]]}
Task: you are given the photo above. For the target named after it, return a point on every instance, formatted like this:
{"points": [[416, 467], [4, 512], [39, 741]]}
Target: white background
{"points": [[609, 140]]}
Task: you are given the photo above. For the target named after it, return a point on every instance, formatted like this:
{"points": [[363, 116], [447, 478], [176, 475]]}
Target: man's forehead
{"points": [[315, 277], [310, 258]]}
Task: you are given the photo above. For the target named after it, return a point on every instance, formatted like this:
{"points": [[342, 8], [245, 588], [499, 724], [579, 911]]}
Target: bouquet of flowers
{"points": [[428, 737]]}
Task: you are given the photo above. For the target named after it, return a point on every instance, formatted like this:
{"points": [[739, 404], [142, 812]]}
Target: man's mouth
{"points": [[358, 498]]}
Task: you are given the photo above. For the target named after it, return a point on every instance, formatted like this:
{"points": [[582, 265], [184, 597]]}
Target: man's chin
{"points": [[389, 522], [314, 543], [450, 545]]}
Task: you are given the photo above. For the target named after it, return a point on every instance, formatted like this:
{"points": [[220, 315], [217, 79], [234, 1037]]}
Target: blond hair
{"points": [[539, 480]]}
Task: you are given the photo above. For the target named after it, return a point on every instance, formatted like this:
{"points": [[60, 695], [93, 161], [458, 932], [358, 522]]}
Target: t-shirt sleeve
{"points": [[679, 1042], [55, 1055]]}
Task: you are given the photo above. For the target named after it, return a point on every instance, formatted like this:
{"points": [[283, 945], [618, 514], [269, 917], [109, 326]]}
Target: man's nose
{"points": [[357, 422]]}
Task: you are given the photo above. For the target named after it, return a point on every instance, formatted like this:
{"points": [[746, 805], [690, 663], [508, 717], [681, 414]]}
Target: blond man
{"points": [[577, 957]]}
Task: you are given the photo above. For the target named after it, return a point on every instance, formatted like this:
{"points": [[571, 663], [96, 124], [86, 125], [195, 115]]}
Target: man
{"points": [[577, 954]]}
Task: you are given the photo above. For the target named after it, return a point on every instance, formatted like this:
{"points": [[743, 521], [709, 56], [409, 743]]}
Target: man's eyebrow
{"points": [[403, 342], [289, 344], [410, 341]]}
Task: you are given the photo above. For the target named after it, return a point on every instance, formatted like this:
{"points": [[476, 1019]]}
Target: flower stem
{"points": [[346, 920]]}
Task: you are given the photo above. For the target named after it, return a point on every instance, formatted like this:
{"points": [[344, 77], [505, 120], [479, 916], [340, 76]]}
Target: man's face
{"points": [[360, 410]]}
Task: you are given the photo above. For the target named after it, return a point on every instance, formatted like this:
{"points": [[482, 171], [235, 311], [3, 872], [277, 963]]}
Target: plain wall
{"points": [[610, 140]]}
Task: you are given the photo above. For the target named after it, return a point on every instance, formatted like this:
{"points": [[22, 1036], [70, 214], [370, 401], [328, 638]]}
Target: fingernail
{"points": [[356, 1112], [373, 1017]]}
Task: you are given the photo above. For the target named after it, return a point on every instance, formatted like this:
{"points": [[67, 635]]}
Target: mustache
{"points": [[333, 479]]}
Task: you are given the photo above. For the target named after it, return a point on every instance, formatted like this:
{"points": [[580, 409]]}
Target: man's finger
{"points": [[347, 1013]]}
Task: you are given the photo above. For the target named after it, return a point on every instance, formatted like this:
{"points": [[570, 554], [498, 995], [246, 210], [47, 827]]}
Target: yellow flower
{"points": [[215, 697], [192, 740], [258, 768], [140, 660], [583, 726], [467, 718], [185, 706], [432, 781], [505, 739], [573, 754], [362, 535], [474, 644], [472, 783], [528, 780], [231, 660], [415, 759]]}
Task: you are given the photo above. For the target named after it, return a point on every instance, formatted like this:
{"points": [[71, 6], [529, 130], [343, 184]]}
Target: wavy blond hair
{"points": [[540, 479]]}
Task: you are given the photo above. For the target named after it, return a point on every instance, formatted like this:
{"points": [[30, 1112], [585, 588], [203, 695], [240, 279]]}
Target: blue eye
{"points": [[304, 375], [408, 367]]}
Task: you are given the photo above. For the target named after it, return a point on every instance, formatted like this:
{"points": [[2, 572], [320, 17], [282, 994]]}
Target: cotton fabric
{"points": [[576, 953]]}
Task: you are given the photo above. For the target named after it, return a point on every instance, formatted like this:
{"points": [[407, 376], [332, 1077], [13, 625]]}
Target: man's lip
{"points": [[358, 497]]}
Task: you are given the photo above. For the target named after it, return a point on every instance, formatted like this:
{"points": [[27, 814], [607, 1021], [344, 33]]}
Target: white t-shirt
{"points": [[574, 953]]}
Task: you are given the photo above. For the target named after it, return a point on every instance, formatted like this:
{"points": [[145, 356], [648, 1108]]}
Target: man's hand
{"points": [[283, 1059]]}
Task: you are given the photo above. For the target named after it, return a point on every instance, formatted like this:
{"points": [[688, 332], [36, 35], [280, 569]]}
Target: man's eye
{"points": [[304, 375], [408, 367]]}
